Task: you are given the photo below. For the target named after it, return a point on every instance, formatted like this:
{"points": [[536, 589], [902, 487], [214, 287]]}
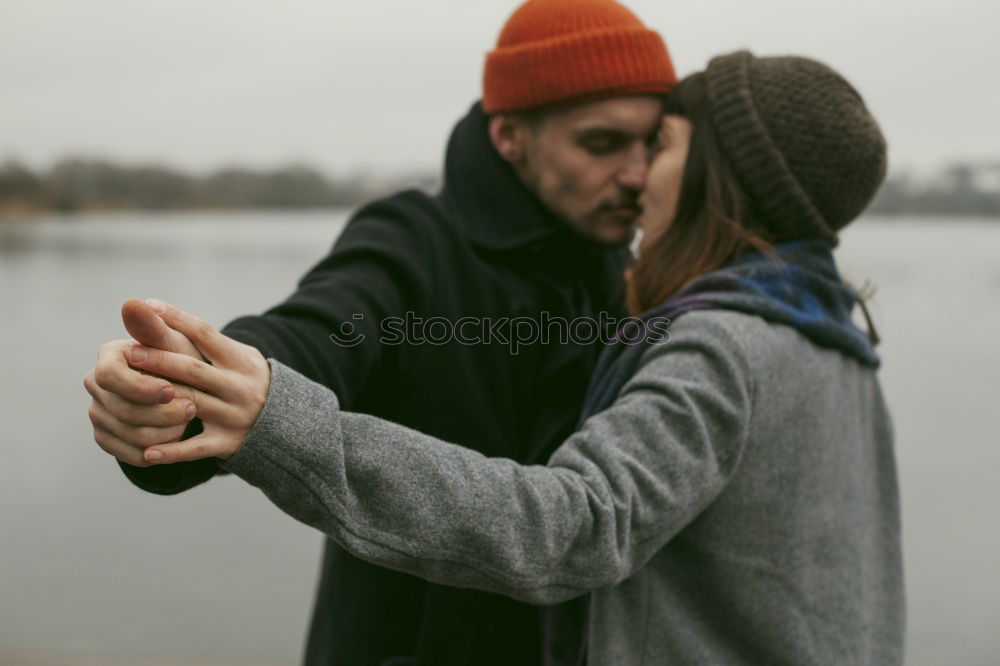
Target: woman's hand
{"points": [[228, 392]]}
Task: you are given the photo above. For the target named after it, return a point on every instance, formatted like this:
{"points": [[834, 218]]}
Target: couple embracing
{"points": [[722, 494]]}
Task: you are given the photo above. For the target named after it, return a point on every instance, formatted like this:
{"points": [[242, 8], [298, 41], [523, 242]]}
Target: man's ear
{"points": [[508, 136]]}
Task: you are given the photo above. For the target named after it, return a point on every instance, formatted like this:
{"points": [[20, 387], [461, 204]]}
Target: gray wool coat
{"points": [[737, 504]]}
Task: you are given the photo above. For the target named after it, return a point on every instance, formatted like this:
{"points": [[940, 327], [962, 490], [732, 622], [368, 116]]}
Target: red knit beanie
{"points": [[554, 51]]}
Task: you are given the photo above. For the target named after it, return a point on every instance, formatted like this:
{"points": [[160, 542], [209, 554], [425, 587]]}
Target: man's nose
{"points": [[635, 169]]}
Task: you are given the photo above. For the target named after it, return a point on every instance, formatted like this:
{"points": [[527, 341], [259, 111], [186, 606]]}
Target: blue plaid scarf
{"points": [[803, 291]]}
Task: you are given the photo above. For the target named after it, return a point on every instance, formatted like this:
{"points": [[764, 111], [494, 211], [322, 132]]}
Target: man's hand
{"points": [[133, 409]]}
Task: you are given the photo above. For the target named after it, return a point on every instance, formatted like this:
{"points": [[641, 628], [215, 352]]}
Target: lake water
{"points": [[94, 571]]}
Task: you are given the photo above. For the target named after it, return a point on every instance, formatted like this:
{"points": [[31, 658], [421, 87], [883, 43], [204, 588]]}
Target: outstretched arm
{"points": [[379, 267], [610, 497]]}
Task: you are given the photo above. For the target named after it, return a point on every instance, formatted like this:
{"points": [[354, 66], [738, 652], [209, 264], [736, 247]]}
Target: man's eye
{"points": [[602, 145]]}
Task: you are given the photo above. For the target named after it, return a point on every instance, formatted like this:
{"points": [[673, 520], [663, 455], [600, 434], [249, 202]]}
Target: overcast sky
{"points": [[377, 84]]}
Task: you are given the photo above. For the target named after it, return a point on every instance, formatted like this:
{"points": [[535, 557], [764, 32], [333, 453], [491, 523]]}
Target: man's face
{"points": [[588, 163]]}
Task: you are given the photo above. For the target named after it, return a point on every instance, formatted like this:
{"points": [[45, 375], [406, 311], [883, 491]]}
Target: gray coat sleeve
{"points": [[611, 495]]}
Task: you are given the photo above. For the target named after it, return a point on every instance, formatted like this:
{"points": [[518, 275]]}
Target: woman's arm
{"points": [[610, 497]]}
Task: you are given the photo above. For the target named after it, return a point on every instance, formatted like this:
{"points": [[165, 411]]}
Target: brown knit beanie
{"points": [[553, 51], [800, 140]]}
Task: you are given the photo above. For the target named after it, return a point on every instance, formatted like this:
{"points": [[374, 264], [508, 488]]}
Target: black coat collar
{"points": [[496, 210]]}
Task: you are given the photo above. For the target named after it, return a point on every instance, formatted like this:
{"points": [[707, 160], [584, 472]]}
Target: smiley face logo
{"points": [[348, 335]]}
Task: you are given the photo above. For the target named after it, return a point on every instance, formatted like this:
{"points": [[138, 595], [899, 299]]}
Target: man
{"points": [[538, 205]]}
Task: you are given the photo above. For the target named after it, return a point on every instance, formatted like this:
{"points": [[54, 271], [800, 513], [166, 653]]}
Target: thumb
{"points": [[147, 328]]}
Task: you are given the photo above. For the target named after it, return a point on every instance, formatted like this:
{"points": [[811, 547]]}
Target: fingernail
{"points": [[138, 354], [190, 412], [157, 305], [166, 395], [153, 456]]}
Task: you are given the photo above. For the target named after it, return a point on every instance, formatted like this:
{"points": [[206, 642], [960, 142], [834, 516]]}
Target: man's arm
{"points": [[328, 329]]}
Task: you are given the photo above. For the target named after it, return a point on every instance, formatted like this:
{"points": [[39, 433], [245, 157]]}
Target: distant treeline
{"points": [[960, 189], [81, 184]]}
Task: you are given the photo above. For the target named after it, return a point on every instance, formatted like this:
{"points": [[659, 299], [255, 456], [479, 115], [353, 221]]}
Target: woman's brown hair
{"points": [[715, 221]]}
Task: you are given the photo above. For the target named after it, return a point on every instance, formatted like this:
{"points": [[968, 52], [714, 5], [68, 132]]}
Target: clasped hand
{"points": [[145, 394]]}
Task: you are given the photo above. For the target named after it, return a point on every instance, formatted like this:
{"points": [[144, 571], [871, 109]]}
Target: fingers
{"points": [[206, 406], [134, 437], [149, 329], [173, 413], [213, 345], [182, 368], [119, 449], [195, 448], [112, 373], [210, 408]]}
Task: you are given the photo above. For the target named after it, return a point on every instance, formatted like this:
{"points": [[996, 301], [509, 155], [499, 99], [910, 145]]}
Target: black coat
{"points": [[485, 248]]}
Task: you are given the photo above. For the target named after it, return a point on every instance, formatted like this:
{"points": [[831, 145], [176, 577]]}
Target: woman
{"points": [[730, 496]]}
